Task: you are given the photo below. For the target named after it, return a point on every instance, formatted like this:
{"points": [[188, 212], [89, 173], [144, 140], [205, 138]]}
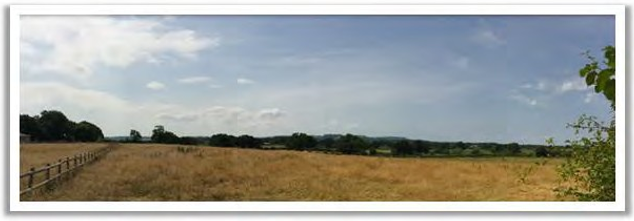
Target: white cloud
{"points": [[245, 81], [194, 80], [56, 94], [488, 37], [154, 85], [76, 45], [577, 84], [547, 90], [116, 116], [540, 86], [272, 113]]}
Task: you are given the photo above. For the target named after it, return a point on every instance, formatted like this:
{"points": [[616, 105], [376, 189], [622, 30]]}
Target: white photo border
{"points": [[15, 11]]}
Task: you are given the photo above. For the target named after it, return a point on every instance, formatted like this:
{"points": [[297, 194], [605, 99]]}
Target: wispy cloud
{"points": [[272, 113], [194, 80], [539, 86], [245, 81], [577, 84], [155, 85], [550, 89]]}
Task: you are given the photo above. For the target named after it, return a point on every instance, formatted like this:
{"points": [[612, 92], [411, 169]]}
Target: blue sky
{"points": [[442, 78]]}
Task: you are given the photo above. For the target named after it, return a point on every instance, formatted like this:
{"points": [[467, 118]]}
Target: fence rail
{"points": [[55, 171]]}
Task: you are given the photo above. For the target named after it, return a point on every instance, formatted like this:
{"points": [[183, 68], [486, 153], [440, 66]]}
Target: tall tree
{"points": [[160, 135], [87, 132], [54, 125], [135, 136], [157, 132]]}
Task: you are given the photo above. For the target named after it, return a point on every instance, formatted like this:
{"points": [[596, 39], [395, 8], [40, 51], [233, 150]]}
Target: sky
{"points": [[441, 78]]}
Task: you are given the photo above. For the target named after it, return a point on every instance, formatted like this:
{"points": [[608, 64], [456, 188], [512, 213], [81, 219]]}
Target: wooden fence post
{"points": [[75, 161], [67, 163], [31, 173], [48, 171], [59, 166]]}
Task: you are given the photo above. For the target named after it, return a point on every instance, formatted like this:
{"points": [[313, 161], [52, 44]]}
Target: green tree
{"points": [[590, 170], [29, 125], [54, 125], [420, 147], [135, 136], [160, 135], [351, 144], [222, 140], [327, 143], [157, 132], [301, 141], [247, 141], [188, 141], [402, 148], [514, 149], [541, 151], [87, 132]]}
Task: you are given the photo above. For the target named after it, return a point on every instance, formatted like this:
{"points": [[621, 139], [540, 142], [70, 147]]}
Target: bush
{"points": [[591, 167]]}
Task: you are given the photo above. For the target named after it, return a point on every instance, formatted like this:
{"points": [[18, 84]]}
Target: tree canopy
{"points": [[53, 125]]}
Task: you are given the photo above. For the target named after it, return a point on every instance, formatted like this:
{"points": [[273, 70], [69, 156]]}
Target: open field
{"points": [[160, 172]]}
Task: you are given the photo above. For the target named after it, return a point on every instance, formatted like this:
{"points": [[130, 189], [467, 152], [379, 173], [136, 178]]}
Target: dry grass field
{"points": [[153, 172], [38, 155]]}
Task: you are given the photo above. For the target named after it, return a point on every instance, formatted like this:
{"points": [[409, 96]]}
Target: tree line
{"points": [[356, 145], [53, 125]]}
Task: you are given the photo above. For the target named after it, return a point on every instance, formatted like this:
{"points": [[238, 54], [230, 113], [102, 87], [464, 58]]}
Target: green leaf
{"points": [[604, 77], [609, 90], [584, 71], [590, 78], [609, 56]]}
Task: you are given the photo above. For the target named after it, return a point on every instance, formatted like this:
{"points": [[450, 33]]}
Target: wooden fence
{"points": [[55, 171]]}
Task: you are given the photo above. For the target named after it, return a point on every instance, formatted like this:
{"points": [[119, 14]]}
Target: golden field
{"points": [[39, 154], [154, 172]]}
